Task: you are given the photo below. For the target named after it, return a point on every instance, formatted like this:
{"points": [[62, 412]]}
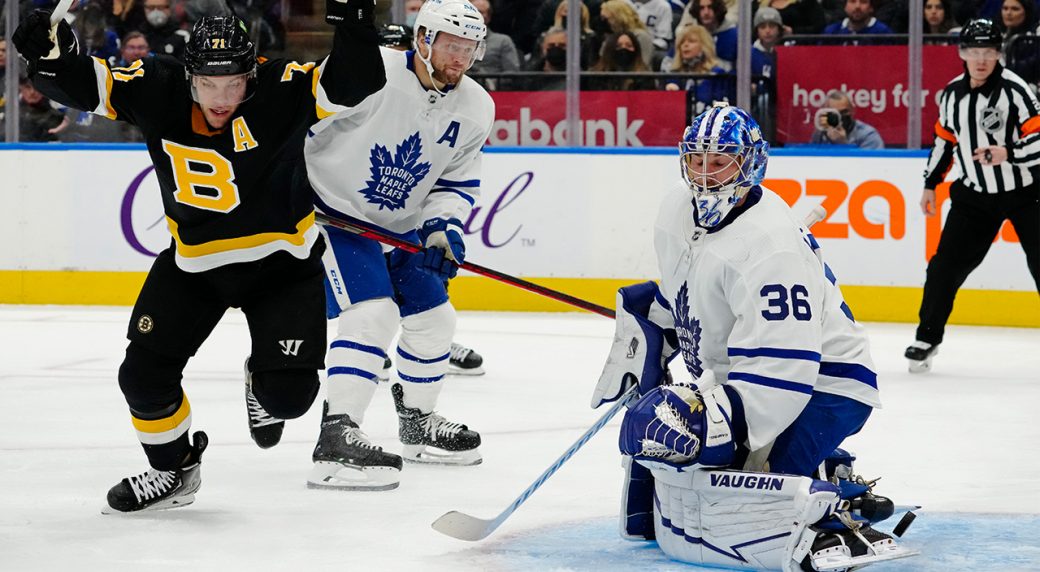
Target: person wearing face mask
{"points": [[695, 54], [836, 124], [590, 42], [550, 57], [621, 53], [164, 35]]}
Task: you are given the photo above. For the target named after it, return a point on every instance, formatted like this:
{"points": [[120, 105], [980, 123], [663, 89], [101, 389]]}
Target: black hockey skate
{"points": [[464, 361], [430, 438], [158, 490], [344, 459], [920, 355], [265, 430], [850, 548]]}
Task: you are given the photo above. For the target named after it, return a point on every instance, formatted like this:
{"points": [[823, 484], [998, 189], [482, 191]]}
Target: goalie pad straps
{"points": [[643, 343]]}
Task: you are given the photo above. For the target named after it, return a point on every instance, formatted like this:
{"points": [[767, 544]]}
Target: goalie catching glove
{"points": [[644, 343], [680, 426]]}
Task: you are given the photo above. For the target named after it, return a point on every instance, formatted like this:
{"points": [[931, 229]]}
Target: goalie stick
{"points": [[366, 231], [465, 527]]}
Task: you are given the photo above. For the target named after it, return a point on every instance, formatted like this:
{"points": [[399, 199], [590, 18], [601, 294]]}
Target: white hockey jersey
{"points": [[753, 302], [404, 155]]}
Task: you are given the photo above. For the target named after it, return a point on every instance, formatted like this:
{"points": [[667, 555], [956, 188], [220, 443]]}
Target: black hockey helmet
{"points": [[981, 33], [396, 36], [219, 45]]}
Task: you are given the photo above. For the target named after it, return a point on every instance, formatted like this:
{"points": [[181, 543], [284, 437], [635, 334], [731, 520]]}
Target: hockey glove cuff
{"points": [[443, 247], [350, 12]]}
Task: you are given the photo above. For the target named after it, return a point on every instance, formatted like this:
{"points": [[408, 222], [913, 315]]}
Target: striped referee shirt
{"points": [[1001, 112]]}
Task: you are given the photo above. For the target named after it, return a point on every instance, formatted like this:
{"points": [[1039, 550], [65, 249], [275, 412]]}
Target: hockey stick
{"points": [[816, 215], [365, 231], [465, 527], [60, 10]]}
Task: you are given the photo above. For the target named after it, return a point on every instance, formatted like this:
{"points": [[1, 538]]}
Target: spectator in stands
{"points": [[695, 54], [711, 14], [621, 53], [589, 44], [165, 36], [621, 17], [38, 121], [800, 16], [411, 11], [859, 19], [769, 28], [3, 71], [525, 21], [938, 17], [123, 15], [551, 57], [836, 124], [657, 16], [1017, 17], [95, 37], [134, 47], [500, 52]]}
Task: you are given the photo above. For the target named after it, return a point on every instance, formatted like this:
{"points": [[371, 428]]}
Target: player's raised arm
{"points": [[354, 68], [62, 73]]}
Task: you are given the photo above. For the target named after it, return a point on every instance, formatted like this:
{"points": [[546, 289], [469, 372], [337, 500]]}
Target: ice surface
{"points": [[961, 441]]}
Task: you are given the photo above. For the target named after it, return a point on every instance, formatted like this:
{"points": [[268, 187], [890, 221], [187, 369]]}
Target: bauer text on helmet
{"points": [[220, 64]]}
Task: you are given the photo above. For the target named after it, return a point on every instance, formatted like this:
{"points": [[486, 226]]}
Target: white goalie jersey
{"points": [[404, 155], [754, 303]]}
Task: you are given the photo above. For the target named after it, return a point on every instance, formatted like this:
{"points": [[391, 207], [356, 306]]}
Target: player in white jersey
{"points": [[781, 374], [407, 160]]}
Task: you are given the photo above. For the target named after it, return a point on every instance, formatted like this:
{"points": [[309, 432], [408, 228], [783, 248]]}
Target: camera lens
{"points": [[833, 119]]}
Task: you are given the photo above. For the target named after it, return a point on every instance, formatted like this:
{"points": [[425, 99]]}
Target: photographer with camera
{"points": [[836, 124]]}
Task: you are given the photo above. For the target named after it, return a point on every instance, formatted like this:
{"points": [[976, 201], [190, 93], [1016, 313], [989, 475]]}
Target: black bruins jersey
{"points": [[239, 193]]}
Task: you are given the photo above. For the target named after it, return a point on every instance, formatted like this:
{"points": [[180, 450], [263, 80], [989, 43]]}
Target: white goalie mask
{"points": [[456, 18]]}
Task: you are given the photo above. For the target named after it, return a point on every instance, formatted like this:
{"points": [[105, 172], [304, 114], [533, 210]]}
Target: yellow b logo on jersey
{"points": [[204, 178]]}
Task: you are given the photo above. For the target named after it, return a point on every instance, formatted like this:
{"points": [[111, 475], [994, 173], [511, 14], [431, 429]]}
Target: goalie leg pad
{"points": [[738, 519], [637, 502]]}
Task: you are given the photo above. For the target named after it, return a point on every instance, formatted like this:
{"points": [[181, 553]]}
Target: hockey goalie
{"points": [[739, 465]]}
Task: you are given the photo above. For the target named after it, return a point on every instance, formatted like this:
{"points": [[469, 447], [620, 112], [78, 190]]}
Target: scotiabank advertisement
{"points": [[558, 215], [608, 118], [875, 79]]}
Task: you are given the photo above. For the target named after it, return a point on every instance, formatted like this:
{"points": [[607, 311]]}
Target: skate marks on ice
{"points": [[947, 541]]}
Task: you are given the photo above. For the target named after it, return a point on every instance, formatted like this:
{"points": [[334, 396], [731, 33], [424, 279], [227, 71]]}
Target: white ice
{"points": [[961, 439]]}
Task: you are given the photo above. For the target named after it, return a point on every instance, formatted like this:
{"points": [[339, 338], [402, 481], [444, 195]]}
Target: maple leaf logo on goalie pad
{"points": [[393, 178]]}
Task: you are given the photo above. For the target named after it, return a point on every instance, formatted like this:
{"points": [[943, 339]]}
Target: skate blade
{"points": [[164, 505], [428, 455], [328, 475], [840, 560], [479, 370], [923, 366]]}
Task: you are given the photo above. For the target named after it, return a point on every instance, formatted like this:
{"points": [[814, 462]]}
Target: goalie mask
{"points": [[460, 22], [722, 156], [220, 61]]}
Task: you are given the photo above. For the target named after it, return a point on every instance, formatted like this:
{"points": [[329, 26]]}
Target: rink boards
{"points": [[81, 225]]}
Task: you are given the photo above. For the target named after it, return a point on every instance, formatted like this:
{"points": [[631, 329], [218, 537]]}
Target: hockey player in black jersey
{"points": [[225, 132]]}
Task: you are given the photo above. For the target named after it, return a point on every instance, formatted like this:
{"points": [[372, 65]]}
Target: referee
{"points": [[989, 122]]}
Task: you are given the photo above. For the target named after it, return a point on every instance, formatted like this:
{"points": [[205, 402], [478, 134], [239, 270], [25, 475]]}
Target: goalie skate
{"points": [[266, 431], [464, 361], [158, 490], [344, 459], [432, 439], [844, 550], [920, 355]]}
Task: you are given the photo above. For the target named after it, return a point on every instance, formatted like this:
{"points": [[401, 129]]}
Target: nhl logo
{"points": [[145, 324], [991, 120]]}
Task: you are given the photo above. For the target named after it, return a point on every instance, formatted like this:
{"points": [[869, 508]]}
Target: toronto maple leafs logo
{"points": [[688, 330], [393, 178]]}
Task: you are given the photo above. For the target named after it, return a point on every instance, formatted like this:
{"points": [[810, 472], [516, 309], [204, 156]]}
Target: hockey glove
{"points": [[642, 347], [36, 39], [350, 11], [680, 426], [443, 247]]}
